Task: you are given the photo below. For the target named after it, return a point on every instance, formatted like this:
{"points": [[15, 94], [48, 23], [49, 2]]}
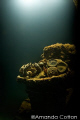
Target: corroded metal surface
{"points": [[49, 83]]}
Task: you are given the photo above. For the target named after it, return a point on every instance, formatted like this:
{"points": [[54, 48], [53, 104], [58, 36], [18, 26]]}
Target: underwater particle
{"points": [[62, 67], [52, 62], [52, 71]]}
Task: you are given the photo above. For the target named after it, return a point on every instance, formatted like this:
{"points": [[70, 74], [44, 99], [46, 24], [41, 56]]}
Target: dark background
{"points": [[24, 32]]}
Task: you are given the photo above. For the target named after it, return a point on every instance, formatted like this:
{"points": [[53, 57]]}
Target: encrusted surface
{"points": [[57, 61], [59, 51], [50, 81]]}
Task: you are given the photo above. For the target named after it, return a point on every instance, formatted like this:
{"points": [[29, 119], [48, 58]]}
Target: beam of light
{"points": [[38, 2], [36, 7], [28, 2]]}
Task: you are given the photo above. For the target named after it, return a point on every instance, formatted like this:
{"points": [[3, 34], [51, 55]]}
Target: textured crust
{"points": [[59, 51], [51, 94], [24, 79]]}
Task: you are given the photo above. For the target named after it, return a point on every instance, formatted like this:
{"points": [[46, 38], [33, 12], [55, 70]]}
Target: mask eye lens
{"points": [[52, 63], [62, 67]]}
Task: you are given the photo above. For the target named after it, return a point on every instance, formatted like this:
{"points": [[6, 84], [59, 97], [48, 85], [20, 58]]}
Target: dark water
{"points": [[26, 28]]}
